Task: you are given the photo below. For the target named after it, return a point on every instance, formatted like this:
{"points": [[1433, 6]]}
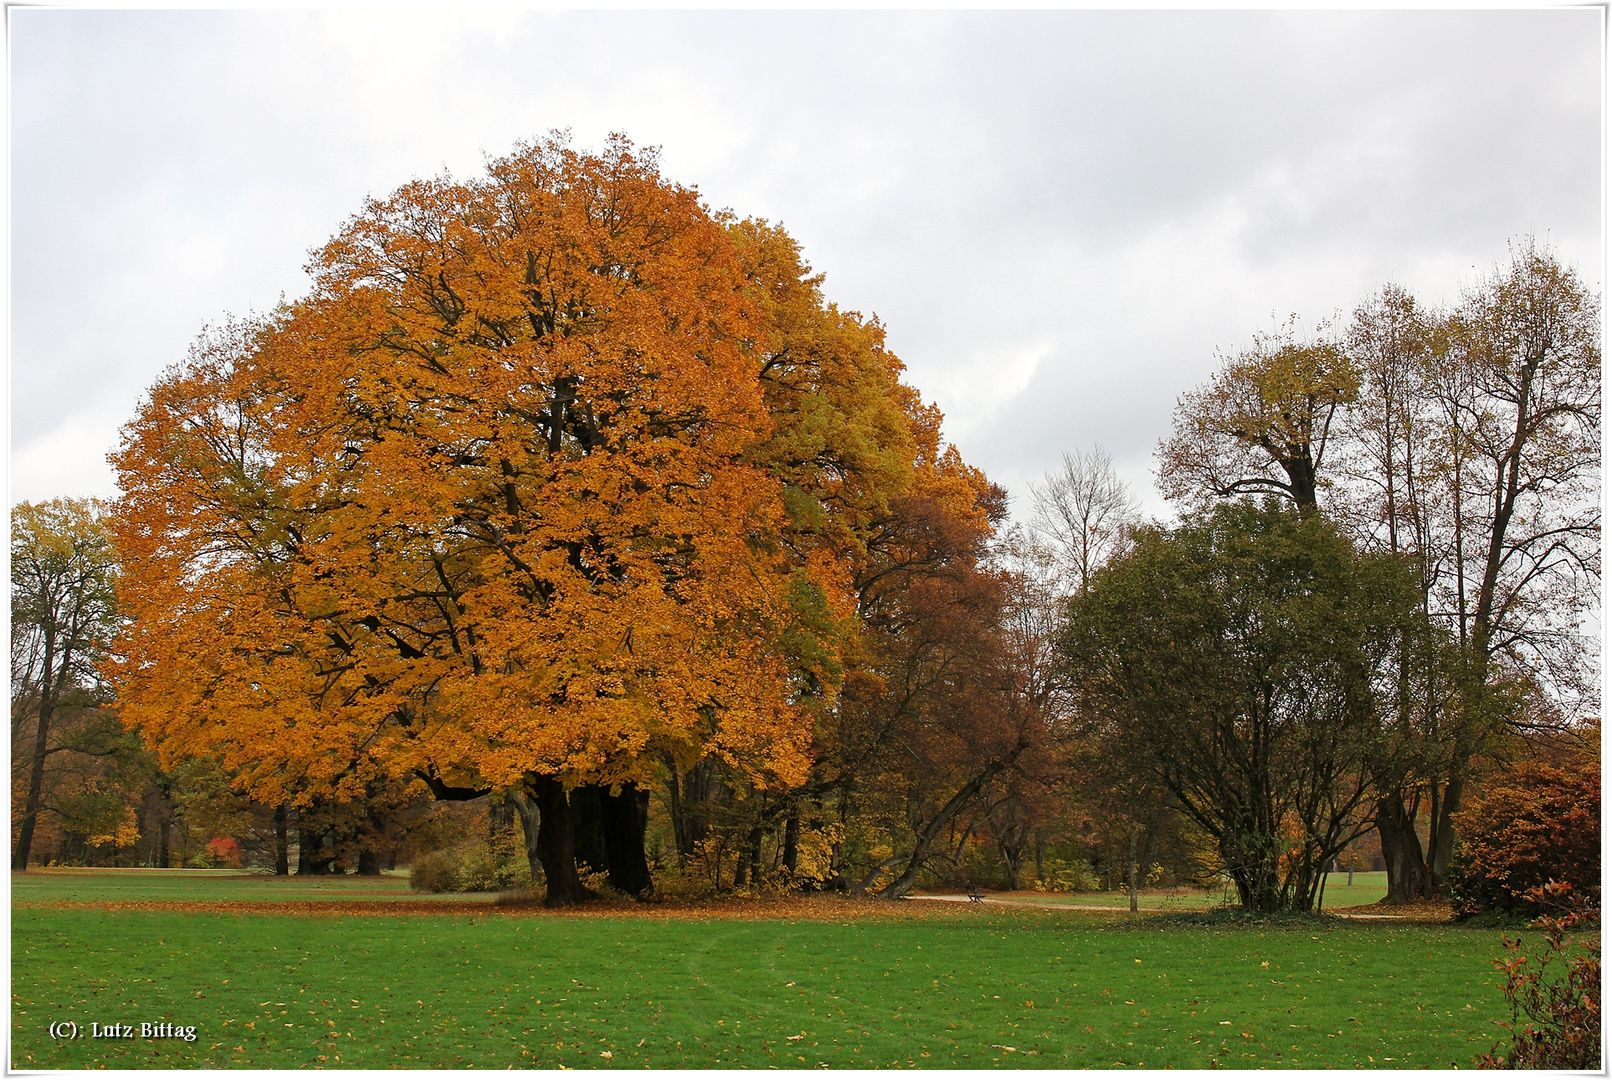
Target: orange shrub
{"points": [[1533, 824], [224, 851]]}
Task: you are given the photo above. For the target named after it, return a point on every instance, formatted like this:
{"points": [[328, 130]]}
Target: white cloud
{"points": [[68, 460], [1059, 215]]}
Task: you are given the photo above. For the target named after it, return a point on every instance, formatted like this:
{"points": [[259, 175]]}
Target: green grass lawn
{"points": [[67, 883], [920, 984], [1368, 888]]}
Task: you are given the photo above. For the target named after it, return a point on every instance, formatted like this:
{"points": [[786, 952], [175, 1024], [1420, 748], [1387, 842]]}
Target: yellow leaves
{"points": [[507, 493], [125, 834], [1263, 422]]}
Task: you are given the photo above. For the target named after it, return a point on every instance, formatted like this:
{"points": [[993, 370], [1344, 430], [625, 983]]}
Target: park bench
{"points": [[975, 896]]}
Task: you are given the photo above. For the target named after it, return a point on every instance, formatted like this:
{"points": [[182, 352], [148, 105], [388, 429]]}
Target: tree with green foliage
{"points": [[1466, 440], [1240, 660], [63, 614]]}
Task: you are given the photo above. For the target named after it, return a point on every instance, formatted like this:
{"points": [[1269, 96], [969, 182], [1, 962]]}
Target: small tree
{"points": [[63, 612], [1081, 514]]}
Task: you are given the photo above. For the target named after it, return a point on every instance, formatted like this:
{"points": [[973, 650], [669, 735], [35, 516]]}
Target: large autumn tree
{"points": [[490, 508], [556, 483]]}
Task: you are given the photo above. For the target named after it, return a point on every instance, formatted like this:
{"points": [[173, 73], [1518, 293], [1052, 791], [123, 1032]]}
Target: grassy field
{"points": [[69, 883], [1367, 888], [829, 982]]}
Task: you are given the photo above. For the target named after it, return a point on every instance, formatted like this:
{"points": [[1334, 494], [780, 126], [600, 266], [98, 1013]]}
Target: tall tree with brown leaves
{"points": [[477, 511]]}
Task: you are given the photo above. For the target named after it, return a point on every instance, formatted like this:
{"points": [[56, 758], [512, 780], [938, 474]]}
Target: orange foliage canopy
{"points": [[554, 472]]}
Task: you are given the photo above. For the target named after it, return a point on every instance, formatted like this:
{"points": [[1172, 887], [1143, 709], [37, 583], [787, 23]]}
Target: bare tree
{"points": [[1472, 452], [1082, 514], [1390, 497], [1517, 388]]}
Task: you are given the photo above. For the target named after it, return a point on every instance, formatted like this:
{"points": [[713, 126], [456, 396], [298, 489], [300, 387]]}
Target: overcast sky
{"points": [[1059, 216]]}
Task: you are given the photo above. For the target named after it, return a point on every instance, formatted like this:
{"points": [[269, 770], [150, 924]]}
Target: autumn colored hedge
{"points": [[1534, 823]]}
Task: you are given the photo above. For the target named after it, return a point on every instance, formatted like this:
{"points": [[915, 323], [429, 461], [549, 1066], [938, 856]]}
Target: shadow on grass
{"points": [[1502, 919]]}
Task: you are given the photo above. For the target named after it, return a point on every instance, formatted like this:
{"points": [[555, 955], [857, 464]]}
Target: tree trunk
{"points": [[164, 853], [689, 807], [1132, 875], [791, 855], [311, 855], [1012, 861], [1402, 850], [546, 817], [36, 775], [531, 829], [674, 806], [1441, 833], [587, 829], [623, 820], [282, 854], [1253, 867], [752, 852], [925, 839], [500, 817], [369, 862]]}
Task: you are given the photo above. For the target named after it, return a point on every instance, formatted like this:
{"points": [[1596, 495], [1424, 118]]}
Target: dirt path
{"points": [[997, 901]]}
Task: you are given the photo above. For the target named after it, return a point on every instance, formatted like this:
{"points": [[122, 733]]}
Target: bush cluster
{"points": [[1067, 877], [1533, 824], [477, 865]]}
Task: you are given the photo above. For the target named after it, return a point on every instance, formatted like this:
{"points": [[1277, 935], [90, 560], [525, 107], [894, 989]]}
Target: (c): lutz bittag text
{"points": [[147, 1031]]}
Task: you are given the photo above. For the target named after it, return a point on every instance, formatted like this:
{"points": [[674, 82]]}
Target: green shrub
{"points": [[1067, 877], [474, 866], [676, 883], [434, 873]]}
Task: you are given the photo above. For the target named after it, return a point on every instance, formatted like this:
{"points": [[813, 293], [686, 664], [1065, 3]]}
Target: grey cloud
{"points": [[1119, 193]]}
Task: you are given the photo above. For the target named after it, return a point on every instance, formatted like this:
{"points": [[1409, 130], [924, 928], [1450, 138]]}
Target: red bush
{"points": [[1533, 824], [224, 850]]}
